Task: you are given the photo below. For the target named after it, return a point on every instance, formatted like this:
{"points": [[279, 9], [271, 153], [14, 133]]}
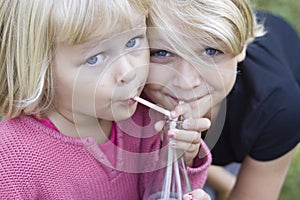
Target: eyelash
{"points": [[158, 53], [206, 52], [135, 40], [94, 59], [216, 52]]}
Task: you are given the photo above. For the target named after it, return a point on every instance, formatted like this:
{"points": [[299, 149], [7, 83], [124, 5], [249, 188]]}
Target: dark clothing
{"points": [[263, 108]]}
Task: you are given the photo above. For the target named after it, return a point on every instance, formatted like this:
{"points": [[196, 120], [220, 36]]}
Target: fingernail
{"points": [[171, 134], [173, 114], [185, 124], [189, 196], [173, 143], [208, 123]]}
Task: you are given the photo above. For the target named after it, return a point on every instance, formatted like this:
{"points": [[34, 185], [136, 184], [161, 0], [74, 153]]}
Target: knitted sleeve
{"points": [[198, 173]]}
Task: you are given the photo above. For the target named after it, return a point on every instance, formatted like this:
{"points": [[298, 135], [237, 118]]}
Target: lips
{"points": [[187, 100], [130, 100]]}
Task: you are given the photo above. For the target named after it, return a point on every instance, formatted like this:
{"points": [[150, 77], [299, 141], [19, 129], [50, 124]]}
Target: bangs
{"points": [[77, 21], [227, 23]]}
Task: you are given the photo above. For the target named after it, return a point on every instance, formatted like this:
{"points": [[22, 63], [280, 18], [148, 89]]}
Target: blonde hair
{"points": [[29, 33], [230, 23]]}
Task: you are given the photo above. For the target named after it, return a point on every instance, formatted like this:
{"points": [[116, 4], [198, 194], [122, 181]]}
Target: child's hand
{"points": [[187, 138], [197, 194]]}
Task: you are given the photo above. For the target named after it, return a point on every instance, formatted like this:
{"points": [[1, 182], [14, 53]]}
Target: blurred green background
{"points": [[289, 10]]}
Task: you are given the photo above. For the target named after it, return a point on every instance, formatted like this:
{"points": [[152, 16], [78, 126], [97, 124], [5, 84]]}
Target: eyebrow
{"points": [[136, 23], [93, 42]]}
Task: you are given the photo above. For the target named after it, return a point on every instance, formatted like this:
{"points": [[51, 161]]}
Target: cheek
{"points": [[224, 75], [104, 88], [229, 81], [88, 91], [228, 75], [63, 89], [154, 91], [159, 74]]}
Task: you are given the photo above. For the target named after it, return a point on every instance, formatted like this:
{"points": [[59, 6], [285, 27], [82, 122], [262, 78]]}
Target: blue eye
{"points": [[211, 52], [160, 53], [160, 56], [132, 42], [95, 59]]}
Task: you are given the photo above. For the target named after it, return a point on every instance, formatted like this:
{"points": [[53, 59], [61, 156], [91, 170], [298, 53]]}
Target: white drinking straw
{"points": [[172, 157], [153, 106]]}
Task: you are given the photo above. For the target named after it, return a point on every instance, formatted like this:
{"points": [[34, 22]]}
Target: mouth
{"points": [[130, 100], [186, 100]]}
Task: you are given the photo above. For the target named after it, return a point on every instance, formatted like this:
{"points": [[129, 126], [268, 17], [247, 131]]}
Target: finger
{"points": [[200, 124], [187, 136], [182, 109], [197, 194], [159, 125], [189, 196], [190, 150], [189, 154]]}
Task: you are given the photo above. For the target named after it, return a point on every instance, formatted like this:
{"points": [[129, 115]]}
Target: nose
{"points": [[187, 76], [126, 71]]}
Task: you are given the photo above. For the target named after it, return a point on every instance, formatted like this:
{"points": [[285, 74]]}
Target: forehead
{"points": [[115, 35]]}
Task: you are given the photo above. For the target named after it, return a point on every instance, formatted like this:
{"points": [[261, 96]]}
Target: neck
{"points": [[80, 126]]}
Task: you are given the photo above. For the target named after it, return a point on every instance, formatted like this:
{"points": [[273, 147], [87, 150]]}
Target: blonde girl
{"points": [[69, 72], [239, 69]]}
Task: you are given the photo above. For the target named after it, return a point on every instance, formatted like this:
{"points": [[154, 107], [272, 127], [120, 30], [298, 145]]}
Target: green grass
{"points": [[289, 10], [290, 190]]}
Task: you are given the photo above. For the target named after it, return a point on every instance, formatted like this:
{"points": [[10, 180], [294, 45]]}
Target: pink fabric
{"points": [[109, 152], [47, 123], [38, 162]]}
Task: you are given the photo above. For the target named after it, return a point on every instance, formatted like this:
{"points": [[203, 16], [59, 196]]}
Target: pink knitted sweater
{"points": [[37, 162]]}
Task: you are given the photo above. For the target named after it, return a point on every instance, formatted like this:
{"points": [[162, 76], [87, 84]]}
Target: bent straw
{"points": [[153, 106], [172, 157]]}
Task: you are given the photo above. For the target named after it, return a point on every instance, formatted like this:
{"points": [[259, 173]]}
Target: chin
{"points": [[123, 117], [124, 113]]}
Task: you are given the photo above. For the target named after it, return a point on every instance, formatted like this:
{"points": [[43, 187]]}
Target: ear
{"points": [[242, 55]]}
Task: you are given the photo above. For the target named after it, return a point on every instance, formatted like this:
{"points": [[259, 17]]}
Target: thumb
{"points": [[159, 125]]}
